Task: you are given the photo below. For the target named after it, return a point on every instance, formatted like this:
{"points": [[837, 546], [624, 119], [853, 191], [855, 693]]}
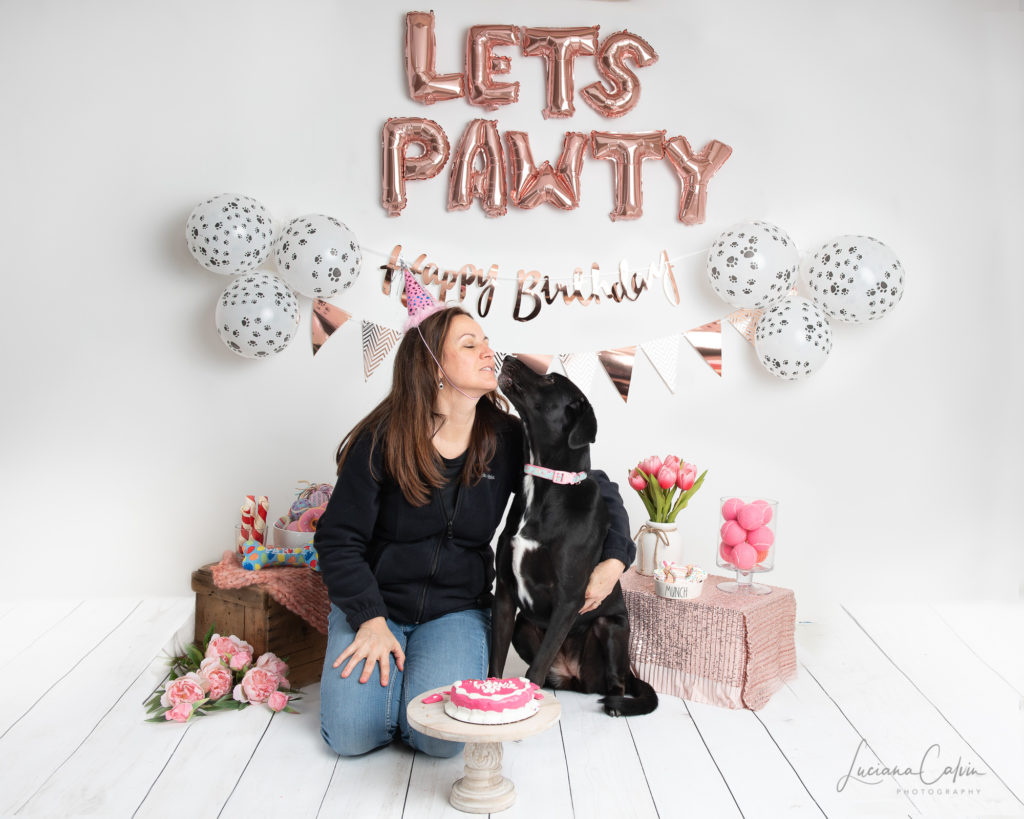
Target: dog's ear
{"points": [[584, 426]]}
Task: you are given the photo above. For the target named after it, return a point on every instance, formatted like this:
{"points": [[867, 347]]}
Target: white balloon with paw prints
{"points": [[257, 315], [793, 339], [229, 234], [855, 279], [318, 256], [753, 265]]}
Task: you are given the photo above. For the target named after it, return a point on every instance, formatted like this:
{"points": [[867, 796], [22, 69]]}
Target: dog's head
{"points": [[559, 421]]}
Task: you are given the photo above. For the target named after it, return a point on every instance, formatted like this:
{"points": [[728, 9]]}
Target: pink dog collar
{"points": [[555, 475]]}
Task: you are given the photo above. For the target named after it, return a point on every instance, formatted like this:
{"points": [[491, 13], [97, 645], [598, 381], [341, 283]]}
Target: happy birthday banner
{"points": [[529, 184]]}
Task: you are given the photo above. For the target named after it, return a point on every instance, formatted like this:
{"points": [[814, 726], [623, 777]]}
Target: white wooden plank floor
{"points": [[932, 694]]}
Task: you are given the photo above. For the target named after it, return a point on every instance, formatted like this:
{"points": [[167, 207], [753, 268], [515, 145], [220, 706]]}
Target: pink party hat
{"points": [[418, 301]]}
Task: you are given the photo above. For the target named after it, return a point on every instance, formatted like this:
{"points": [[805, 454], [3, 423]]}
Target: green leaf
{"points": [[209, 633], [195, 656], [291, 710], [160, 718]]}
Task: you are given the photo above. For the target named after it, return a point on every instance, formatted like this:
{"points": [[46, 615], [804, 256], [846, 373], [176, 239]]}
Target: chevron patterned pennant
{"points": [[378, 341], [745, 320], [579, 367], [663, 353], [707, 340]]}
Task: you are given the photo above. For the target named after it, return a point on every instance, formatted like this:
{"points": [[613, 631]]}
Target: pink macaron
{"points": [[744, 556], [731, 507], [761, 538], [733, 533]]}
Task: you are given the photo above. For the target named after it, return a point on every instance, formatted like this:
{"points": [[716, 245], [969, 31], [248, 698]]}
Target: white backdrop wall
{"points": [[130, 433]]}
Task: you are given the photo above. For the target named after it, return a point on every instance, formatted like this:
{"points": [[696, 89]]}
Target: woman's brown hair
{"points": [[404, 423]]}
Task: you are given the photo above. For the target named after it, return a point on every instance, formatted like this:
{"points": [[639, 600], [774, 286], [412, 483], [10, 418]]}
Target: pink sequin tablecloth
{"points": [[732, 650]]}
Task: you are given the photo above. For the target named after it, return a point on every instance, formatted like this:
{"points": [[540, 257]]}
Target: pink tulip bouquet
{"points": [[221, 675], [658, 482]]}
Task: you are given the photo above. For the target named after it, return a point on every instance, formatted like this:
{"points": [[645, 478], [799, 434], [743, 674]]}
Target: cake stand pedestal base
{"points": [[483, 789]]}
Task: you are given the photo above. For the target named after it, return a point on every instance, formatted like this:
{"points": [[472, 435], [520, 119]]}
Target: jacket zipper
{"points": [[450, 535]]}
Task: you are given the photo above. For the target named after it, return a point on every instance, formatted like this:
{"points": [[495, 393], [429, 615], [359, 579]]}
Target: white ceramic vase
{"points": [[656, 542]]}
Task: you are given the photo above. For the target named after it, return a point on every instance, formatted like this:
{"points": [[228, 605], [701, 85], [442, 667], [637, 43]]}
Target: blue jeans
{"points": [[358, 717]]}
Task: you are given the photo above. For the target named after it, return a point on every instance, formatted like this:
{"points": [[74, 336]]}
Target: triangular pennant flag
{"points": [[377, 343], [326, 319], [663, 353], [745, 320], [618, 364], [538, 362], [579, 367], [499, 359], [707, 340]]}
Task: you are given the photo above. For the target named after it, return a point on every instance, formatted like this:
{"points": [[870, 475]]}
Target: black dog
{"points": [[552, 541]]}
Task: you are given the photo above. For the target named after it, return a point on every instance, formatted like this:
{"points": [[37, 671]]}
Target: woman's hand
{"points": [[602, 581], [373, 643]]}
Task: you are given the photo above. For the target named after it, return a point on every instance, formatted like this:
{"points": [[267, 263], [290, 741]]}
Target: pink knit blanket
{"points": [[300, 590]]}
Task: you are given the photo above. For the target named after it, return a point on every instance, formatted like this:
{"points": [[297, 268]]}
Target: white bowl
{"points": [[287, 539], [685, 590]]}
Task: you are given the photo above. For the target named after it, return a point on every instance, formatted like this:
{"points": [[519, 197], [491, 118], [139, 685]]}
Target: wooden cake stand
{"points": [[483, 789]]}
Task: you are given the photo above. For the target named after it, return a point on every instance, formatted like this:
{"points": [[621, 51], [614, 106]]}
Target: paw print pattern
{"points": [[793, 339], [753, 265], [318, 255], [855, 279], [229, 234], [257, 315]]}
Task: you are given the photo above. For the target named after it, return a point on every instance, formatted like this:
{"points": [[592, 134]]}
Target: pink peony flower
{"points": [[217, 680], [637, 480], [272, 662], [180, 712], [687, 475], [667, 477], [224, 648], [650, 466], [241, 659], [256, 686], [187, 689], [277, 701]]}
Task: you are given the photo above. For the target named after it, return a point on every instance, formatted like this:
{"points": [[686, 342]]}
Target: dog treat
{"points": [[306, 509], [248, 510], [259, 524], [492, 701]]}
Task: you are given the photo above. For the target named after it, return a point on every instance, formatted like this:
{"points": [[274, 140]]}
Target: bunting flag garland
{"points": [[579, 367], [745, 320], [663, 353], [325, 320], [378, 341], [499, 360], [707, 340], [618, 364], [538, 362]]}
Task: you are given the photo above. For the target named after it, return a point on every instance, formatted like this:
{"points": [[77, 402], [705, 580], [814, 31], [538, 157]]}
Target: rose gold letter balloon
{"points": [[488, 184], [532, 186], [611, 59], [482, 63], [695, 171], [425, 84], [559, 47], [626, 152], [397, 166]]}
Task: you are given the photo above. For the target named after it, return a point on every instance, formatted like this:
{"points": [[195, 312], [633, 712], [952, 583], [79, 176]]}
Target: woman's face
{"points": [[467, 358]]}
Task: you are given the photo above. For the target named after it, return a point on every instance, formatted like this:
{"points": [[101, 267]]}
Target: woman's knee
{"points": [[348, 735]]}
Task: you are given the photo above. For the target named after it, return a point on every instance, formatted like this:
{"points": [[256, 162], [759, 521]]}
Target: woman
{"points": [[404, 545]]}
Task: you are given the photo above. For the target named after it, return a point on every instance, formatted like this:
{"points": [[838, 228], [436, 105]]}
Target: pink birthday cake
{"points": [[492, 701]]}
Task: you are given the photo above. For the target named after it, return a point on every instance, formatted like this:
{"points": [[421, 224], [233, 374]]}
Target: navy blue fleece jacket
{"points": [[383, 557]]}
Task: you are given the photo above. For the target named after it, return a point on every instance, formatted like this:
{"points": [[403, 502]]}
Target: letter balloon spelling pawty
{"points": [[753, 265], [318, 256], [229, 234], [855, 279]]}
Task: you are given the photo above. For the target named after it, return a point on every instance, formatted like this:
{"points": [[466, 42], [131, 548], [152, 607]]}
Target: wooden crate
{"points": [[254, 615]]}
